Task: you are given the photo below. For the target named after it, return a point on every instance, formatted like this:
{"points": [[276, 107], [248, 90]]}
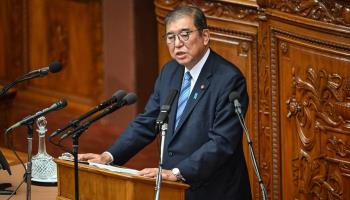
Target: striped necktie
{"points": [[184, 94]]}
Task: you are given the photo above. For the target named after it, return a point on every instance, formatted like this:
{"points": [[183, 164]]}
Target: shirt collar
{"points": [[197, 68]]}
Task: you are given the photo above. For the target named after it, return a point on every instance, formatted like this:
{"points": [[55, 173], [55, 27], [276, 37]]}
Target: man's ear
{"points": [[206, 36]]}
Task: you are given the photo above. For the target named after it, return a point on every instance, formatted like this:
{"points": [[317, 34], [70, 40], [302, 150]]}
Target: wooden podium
{"points": [[96, 184]]}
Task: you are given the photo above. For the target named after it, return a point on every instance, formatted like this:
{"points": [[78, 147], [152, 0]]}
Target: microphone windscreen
{"points": [[233, 95], [55, 66], [61, 104], [130, 98], [119, 95]]}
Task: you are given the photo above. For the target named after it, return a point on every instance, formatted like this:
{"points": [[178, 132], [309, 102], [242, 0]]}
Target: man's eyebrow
{"points": [[184, 29]]}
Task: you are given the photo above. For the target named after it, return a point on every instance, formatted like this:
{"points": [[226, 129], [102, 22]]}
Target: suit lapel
{"points": [[176, 84]]}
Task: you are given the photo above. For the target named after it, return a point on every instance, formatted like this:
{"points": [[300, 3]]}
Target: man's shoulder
{"points": [[170, 66], [223, 66], [170, 63]]}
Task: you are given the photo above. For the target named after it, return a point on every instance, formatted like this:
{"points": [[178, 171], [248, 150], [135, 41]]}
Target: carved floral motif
{"points": [[320, 94], [264, 114], [217, 9], [339, 146], [329, 11], [314, 107], [284, 48], [314, 175], [243, 49]]}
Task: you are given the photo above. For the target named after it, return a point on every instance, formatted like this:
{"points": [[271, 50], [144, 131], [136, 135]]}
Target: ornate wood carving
{"points": [[274, 117], [330, 11], [325, 94], [317, 177], [315, 111], [317, 108], [264, 108], [243, 49], [339, 146], [220, 10], [229, 11], [255, 98], [229, 33], [284, 48]]}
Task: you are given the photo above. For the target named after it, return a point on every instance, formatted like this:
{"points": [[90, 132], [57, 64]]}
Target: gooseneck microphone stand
{"points": [[21, 79], [252, 156], [233, 99], [76, 133], [28, 173], [164, 129], [28, 169], [53, 67], [29, 121], [162, 125], [75, 139]]}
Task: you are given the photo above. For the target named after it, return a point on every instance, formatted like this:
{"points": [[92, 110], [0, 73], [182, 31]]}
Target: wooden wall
{"points": [[296, 59], [102, 49]]}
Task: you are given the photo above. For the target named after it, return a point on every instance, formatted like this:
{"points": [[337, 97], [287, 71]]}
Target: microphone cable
{"points": [[12, 148]]}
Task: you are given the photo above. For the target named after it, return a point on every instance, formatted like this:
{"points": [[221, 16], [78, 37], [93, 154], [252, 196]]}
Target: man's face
{"points": [[188, 52]]}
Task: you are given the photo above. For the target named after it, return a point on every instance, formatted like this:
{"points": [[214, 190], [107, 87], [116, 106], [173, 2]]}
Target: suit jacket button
{"points": [[170, 153]]}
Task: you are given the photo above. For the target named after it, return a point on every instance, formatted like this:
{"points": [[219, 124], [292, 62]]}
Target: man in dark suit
{"points": [[203, 144]]}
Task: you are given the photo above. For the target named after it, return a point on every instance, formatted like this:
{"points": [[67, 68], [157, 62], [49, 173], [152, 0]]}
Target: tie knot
{"points": [[187, 76]]}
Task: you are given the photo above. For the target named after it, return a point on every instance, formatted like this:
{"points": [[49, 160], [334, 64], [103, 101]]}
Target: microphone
{"points": [[233, 98], [165, 108], [53, 67], [116, 97], [30, 118], [162, 127], [130, 98]]}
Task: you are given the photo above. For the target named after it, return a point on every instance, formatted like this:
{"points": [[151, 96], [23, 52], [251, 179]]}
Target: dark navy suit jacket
{"points": [[207, 144]]}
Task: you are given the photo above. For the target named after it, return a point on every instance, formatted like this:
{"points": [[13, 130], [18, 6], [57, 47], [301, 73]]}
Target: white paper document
{"points": [[115, 169]]}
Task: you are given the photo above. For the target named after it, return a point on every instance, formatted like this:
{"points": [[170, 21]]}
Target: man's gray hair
{"points": [[199, 19]]}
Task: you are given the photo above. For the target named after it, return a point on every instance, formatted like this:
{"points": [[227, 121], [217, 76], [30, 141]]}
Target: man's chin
{"points": [[182, 61]]}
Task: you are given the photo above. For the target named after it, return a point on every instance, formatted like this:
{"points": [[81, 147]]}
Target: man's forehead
{"points": [[180, 23]]}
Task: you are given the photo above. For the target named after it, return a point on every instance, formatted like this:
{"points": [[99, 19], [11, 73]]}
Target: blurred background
{"points": [[104, 46]]}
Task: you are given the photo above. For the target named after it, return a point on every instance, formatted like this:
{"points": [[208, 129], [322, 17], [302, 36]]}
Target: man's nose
{"points": [[178, 42]]}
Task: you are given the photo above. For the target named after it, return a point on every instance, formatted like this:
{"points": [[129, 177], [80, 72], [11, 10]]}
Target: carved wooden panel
{"points": [[311, 81], [330, 11]]}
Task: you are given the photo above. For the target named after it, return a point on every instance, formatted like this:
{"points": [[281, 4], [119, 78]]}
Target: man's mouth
{"points": [[180, 54]]}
